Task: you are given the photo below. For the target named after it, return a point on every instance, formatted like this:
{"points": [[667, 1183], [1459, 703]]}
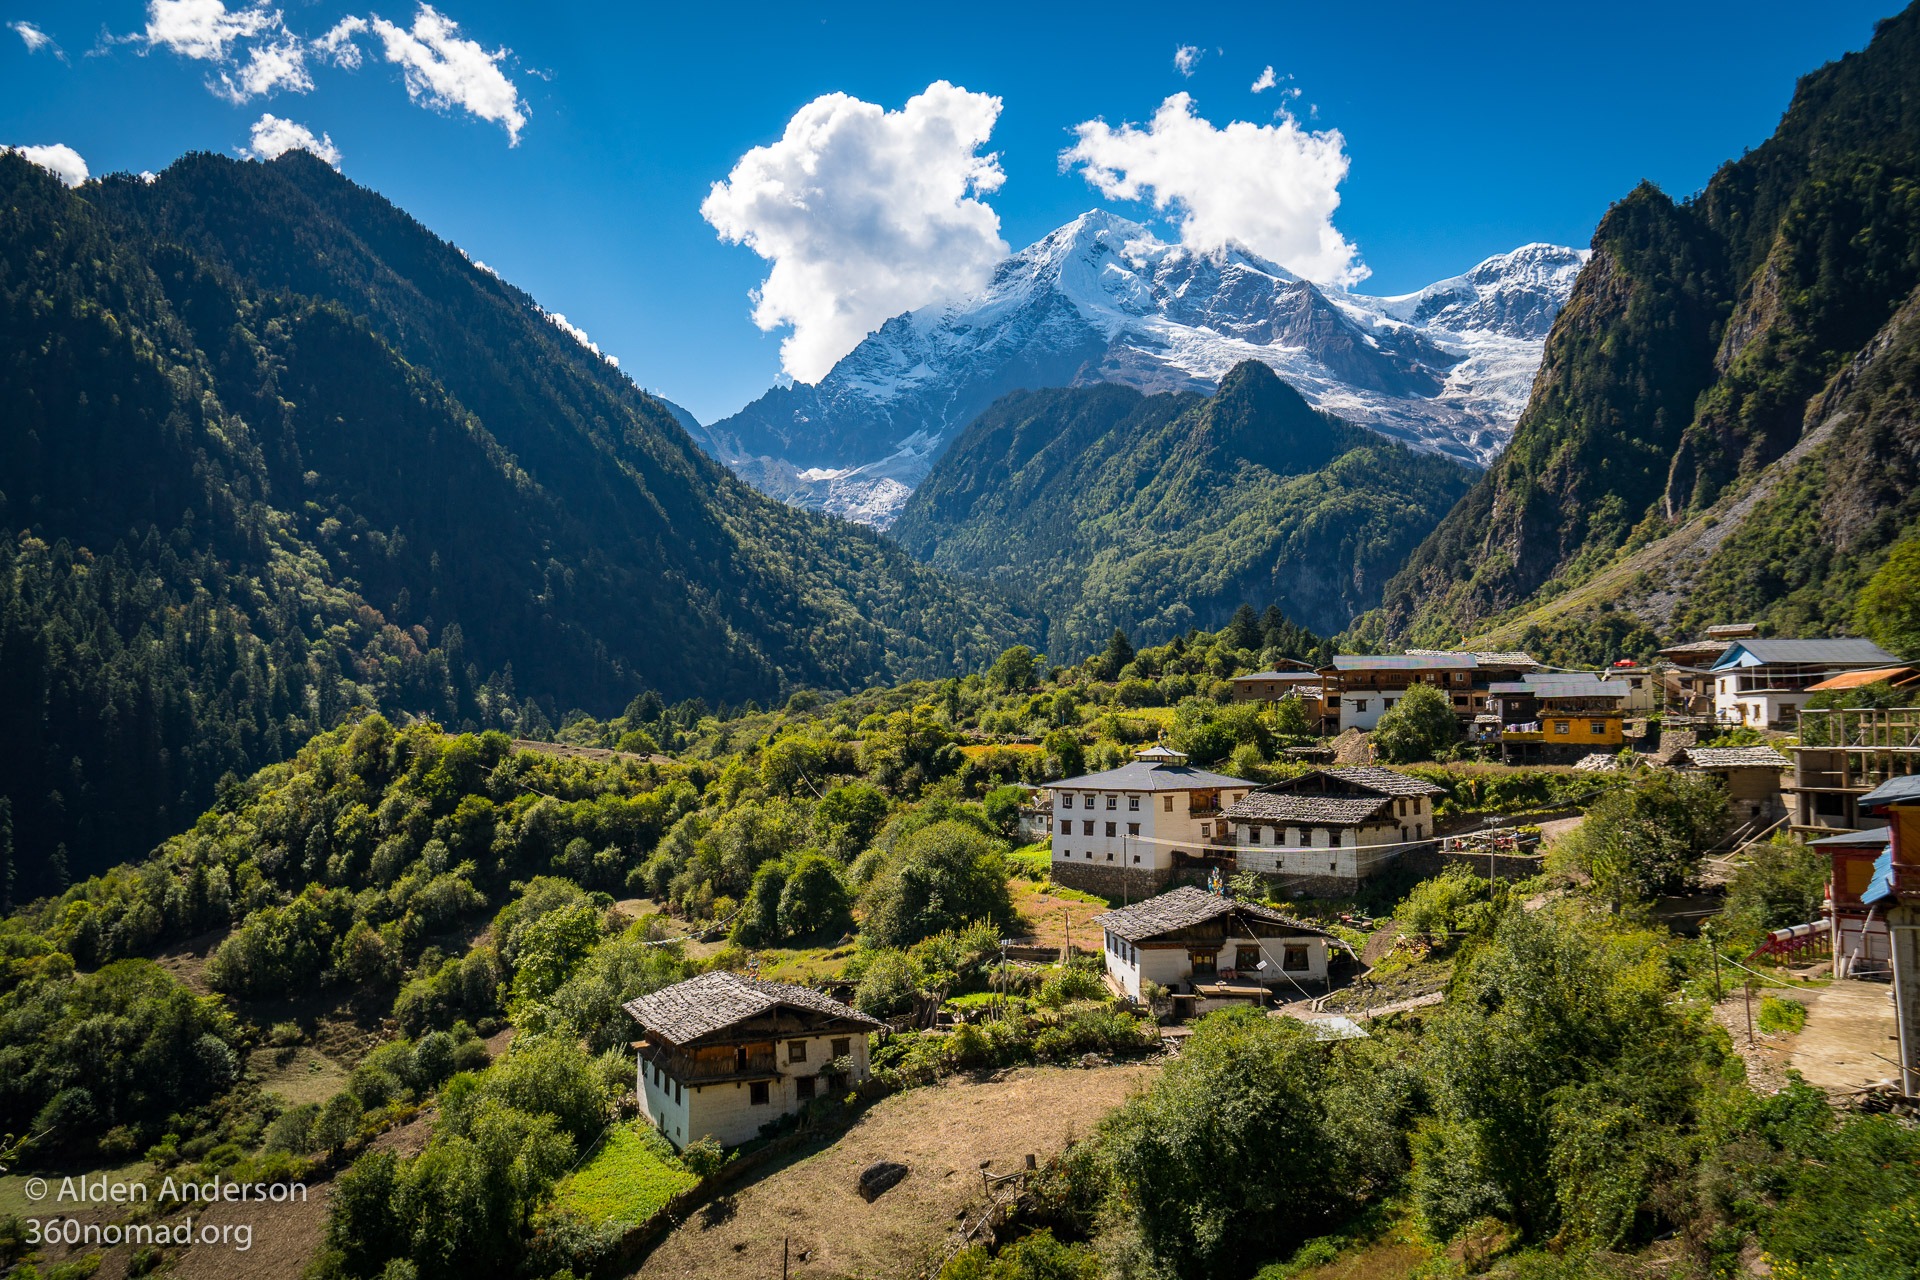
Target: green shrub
{"points": [[1778, 1015]]}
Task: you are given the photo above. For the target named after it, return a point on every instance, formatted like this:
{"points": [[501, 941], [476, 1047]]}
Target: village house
{"points": [[1556, 718], [1328, 830], [1269, 687], [1360, 688], [721, 1055], [1640, 682], [1843, 755], [1687, 676], [1859, 932], [1765, 683], [1213, 947], [1126, 830], [1751, 776]]}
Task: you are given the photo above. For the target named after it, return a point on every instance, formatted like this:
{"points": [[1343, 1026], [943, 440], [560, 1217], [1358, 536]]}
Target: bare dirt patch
{"points": [[1850, 1037], [943, 1133], [1048, 919]]}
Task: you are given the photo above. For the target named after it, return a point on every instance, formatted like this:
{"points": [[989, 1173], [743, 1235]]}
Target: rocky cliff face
{"points": [[1700, 349]]}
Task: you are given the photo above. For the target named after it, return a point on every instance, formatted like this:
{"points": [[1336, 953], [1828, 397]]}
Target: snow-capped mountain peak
{"points": [[1102, 299]]}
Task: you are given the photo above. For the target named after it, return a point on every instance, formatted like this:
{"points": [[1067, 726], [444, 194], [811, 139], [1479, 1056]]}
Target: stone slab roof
{"points": [[1731, 758], [1187, 906], [712, 1002], [1283, 807], [1387, 782]]}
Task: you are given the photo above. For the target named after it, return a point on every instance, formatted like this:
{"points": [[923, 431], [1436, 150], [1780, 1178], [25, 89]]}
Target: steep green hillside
{"points": [[1109, 508], [1704, 341], [272, 450]]}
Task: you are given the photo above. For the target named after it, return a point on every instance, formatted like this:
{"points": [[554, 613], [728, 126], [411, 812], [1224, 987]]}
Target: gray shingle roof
{"points": [[1187, 906], [1303, 676], [1872, 838], [1732, 758], [1894, 791], [1144, 776], [715, 1001], [1405, 662], [1268, 806], [1839, 653]]}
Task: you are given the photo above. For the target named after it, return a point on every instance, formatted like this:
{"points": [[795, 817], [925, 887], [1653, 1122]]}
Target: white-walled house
{"points": [[1126, 829], [1328, 830], [1213, 946], [1766, 682], [722, 1055]]}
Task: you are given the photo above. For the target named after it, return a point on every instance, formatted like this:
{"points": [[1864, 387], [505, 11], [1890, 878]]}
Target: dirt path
{"points": [[943, 1133], [1849, 1040]]}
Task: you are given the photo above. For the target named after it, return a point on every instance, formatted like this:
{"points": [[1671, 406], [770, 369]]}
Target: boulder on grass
{"points": [[880, 1176]]}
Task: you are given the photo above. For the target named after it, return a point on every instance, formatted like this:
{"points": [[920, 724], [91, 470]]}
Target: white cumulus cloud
{"points": [[271, 136], [269, 67], [337, 44], [1266, 81], [864, 213], [444, 70], [1186, 58], [1270, 187], [205, 29], [58, 159]]}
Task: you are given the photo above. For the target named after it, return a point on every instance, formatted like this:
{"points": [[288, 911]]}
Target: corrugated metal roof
{"points": [[1568, 685], [1860, 679], [1846, 652], [1279, 675]]}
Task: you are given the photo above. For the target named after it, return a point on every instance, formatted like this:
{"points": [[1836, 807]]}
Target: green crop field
{"points": [[630, 1178]]}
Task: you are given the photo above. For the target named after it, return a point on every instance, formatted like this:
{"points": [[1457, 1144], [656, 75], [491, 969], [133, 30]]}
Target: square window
{"points": [[1597, 727], [1562, 726], [757, 1093], [1246, 959], [803, 1088], [842, 1047], [1133, 828], [1109, 855], [1113, 802], [796, 1051], [1133, 803], [1294, 958], [1066, 800], [1112, 829], [1086, 828], [1253, 835]]}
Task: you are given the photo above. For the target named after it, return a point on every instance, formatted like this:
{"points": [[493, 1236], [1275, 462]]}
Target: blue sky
{"points": [[1464, 130]]}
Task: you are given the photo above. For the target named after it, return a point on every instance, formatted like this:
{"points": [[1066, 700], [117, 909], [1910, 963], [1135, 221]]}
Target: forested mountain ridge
{"points": [[1107, 507], [1704, 341], [273, 450]]}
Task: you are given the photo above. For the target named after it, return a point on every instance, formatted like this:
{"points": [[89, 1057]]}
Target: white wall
{"points": [[1162, 833], [1131, 966], [726, 1111], [1311, 852]]}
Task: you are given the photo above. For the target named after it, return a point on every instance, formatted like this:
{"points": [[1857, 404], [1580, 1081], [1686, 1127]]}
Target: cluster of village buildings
{"points": [[722, 1055]]}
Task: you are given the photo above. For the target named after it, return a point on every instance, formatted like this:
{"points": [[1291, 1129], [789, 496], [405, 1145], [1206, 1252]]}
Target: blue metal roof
{"points": [[1881, 887], [1874, 838]]}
